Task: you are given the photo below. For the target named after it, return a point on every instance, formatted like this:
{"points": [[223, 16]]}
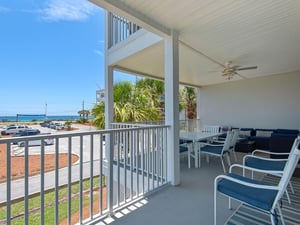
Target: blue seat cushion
{"points": [[212, 149], [182, 148], [264, 164], [183, 141], [257, 197]]}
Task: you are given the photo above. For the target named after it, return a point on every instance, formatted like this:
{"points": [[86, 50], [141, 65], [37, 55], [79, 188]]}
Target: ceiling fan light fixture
{"points": [[230, 70]]}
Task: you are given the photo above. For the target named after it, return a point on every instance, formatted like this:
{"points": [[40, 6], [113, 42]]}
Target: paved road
{"points": [[17, 186]]}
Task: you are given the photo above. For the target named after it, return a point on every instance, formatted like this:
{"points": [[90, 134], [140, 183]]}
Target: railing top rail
{"points": [[80, 133]]}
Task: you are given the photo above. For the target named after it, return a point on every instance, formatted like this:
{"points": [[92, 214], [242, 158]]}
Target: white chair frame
{"points": [[280, 187]]}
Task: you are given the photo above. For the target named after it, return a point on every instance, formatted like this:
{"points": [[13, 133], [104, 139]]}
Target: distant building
{"points": [[100, 96]]}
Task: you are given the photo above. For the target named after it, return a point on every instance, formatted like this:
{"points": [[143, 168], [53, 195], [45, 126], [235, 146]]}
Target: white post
{"points": [[109, 115], [198, 101], [172, 106]]}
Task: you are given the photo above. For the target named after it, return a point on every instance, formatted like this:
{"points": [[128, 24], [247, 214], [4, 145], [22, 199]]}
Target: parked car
{"points": [[45, 124], [56, 126], [10, 125], [14, 129], [28, 132], [47, 141]]}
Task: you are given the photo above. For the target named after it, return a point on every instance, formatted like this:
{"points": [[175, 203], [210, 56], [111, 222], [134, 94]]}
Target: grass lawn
{"points": [[17, 208]]}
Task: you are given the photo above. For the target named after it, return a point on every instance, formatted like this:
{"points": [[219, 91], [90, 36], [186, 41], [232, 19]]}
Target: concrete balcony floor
{"points": [[190, 203]]}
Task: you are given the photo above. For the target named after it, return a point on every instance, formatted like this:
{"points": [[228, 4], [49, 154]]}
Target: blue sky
{"points": [[51, 51]]}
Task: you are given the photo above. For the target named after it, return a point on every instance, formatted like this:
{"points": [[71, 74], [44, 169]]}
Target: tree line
{"points": [[142, 102]]}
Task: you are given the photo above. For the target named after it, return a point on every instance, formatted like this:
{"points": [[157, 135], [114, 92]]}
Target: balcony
{"points": [[120, 29], [114, 168], [189, 203], [142, 169]]}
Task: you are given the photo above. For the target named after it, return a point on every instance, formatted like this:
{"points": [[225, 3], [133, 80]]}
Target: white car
{"points": [[56, 126], [47, 141], [14, 129]]}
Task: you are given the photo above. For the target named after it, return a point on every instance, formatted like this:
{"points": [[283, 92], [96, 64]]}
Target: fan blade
{"points": [[247, 68]]}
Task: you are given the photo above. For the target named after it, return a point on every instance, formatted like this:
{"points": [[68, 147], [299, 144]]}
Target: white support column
{"points": [[198, 101], [172, 106], [108, 76], [109, 115], [108, 96]]}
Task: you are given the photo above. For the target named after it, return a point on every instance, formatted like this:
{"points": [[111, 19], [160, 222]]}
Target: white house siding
{"points": [[267, 102]]}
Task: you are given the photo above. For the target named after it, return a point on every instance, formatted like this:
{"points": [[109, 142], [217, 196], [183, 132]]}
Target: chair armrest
{"points": [[218, 141], [254, 169], [261, 157], [261, 186], [211, 144], [269, 152]]}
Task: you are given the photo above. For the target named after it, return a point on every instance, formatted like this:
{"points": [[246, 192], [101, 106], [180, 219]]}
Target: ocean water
{"points": [[29, 118]]}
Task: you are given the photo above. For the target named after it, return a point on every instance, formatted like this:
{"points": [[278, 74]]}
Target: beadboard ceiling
{"points": [[247, 32]]}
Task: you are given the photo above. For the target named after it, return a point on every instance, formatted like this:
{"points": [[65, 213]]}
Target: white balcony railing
{"points": [[114, 168], [119, 29]]}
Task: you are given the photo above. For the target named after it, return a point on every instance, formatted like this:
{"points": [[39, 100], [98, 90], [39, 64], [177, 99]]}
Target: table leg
{"points": [[196, 154], [199, 154]]}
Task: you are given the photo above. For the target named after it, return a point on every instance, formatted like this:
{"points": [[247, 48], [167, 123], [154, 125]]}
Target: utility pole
{"points": [[45, 110], [83, 109]]}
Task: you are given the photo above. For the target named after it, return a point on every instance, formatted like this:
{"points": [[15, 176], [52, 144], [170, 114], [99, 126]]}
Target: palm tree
{"points": [[98, 113], [131, 104], [188, 102]]}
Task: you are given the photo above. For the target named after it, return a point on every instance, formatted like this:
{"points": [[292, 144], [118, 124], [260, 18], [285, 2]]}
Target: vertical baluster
{"points": [[42, 196], [81, 179], [56, 221], [137, 160], [143, 159], [131, 162], [100, 175], [8, 183], [125, 163], [148, 159], [26, 174], [118, 167], [153, 156], [157, 156], [92, 176], [166, 154], [69, 179]]}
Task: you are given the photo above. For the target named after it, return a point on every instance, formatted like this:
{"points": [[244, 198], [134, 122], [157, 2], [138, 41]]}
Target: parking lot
{"points": [[64, 143]]}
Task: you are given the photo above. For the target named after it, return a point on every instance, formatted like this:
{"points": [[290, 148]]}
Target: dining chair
{"points": [[211, 128], [233, 142], [234, 139], [255, 193], [185, 149], [218, 149]]}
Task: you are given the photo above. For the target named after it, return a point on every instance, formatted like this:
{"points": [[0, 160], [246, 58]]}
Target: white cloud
{"points": [[98, 52], [68, 10], [4, 9]]}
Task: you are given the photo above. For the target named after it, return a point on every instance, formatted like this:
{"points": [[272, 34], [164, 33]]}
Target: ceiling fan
{"points": [[230, 69]]}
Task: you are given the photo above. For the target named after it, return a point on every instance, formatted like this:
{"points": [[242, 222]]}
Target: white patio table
{"points": [[195, 137]]}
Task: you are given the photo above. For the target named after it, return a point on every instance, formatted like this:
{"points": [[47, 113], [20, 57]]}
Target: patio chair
{"points": [[233, 142], [211, 128], [269, 165], [257, 194], [218, 149], [185, 148]]}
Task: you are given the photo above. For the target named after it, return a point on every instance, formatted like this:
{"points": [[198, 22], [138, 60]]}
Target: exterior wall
{"points": [[267, 102]]}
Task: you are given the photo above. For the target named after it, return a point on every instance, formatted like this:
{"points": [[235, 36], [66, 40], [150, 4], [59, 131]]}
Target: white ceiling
{"points": [[263, 33]]}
